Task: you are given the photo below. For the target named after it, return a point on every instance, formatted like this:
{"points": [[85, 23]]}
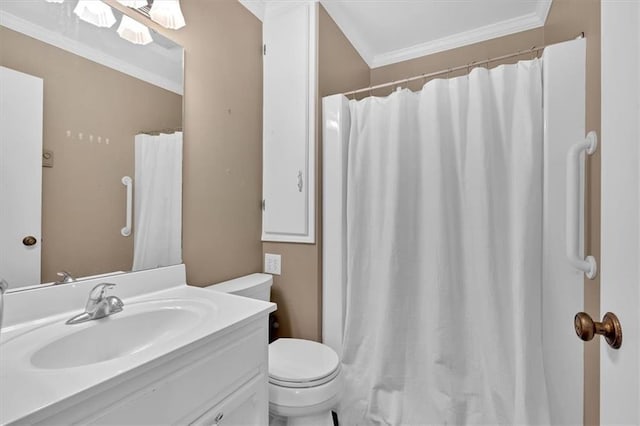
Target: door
{"points": [[20, 177], [620, 279]]}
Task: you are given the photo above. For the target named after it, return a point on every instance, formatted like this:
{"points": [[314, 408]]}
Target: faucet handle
{"points": [[65, 277], [98, 291]]}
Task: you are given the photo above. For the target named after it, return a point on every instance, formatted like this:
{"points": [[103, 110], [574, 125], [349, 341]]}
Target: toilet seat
{"points": [[297, 363]]}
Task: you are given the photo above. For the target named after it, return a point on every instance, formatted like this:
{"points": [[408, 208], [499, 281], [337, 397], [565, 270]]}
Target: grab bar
{"points": [[126, 181], [587, 265], [3, 287]]}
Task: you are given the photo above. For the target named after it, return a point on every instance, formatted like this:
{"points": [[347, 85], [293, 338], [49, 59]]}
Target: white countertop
{"points": [[25, 388]]}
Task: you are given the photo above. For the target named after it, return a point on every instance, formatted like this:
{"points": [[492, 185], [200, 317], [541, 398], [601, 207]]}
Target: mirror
{"points": [[99, 91]]}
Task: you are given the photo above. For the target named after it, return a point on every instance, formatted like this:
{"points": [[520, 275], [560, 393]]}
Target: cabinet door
{"points": [[248, 405], [290, 37]]}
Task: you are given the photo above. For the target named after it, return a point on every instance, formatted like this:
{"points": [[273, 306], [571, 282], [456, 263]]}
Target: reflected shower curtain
{"points": [[444, 219], [158, 201]]}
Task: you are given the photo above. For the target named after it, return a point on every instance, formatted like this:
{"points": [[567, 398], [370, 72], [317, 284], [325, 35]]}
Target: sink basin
{"points": [[139, 327], [113, 337]]}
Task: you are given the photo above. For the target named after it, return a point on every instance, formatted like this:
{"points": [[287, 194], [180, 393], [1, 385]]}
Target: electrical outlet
{"points": [[272, 263]]}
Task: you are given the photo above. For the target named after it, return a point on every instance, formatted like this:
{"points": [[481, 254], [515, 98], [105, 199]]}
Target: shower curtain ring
{"points": [[470, 67], [533, 53]]}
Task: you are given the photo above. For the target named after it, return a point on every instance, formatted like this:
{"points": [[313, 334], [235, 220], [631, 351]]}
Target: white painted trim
{"points": [[488, 32], [543, 10], [70, 45]]}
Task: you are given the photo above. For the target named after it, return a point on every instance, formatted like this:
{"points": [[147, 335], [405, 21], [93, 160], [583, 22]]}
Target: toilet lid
{"points": [[294, 362]]}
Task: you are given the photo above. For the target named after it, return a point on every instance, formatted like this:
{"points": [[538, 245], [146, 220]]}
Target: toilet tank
{"points": [[255, 286]]}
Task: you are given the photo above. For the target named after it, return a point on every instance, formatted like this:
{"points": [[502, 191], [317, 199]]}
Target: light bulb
{"points": [[167, 13], [134, 31], [136, 4], [95, 12]]}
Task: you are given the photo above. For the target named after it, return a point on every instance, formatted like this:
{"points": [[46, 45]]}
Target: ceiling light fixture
{"points": [[134, 31], [167, 13], [95, 12]]}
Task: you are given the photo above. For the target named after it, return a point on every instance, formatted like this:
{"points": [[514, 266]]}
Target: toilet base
{"points": [[320, 419]]}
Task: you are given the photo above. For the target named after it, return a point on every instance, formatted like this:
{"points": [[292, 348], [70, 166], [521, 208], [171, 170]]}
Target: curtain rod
{"points": [[534, 49]]}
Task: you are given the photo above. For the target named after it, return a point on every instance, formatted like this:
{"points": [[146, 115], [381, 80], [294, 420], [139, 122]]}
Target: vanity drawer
{"points": [[247, 405], [185, 394]]}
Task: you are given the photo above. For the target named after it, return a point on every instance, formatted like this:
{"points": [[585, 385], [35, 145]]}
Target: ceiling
{"points": [[389, 31]]}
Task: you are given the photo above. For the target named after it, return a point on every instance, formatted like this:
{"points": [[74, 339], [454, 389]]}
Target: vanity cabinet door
{"points": [[289, 122], [215, 375], [246, 406]]}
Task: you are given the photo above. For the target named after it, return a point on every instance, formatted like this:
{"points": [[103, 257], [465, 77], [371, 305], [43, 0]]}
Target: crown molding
{"points": [[488, 32], [543, 9], [70, 45]]}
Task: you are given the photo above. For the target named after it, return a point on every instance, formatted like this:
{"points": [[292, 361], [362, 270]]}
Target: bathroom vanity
{"points": [[175, 355]]}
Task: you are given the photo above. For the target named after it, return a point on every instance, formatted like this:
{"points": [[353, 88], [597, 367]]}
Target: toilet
{"points": [[304, 376]]}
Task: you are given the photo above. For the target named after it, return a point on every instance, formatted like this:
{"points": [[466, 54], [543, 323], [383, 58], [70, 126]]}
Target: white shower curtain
{"points": [[444, 224], [158, 201]]}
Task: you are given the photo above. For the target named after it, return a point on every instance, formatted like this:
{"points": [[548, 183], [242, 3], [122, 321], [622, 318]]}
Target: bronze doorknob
{"points": [[29, 241], [610, 328]]}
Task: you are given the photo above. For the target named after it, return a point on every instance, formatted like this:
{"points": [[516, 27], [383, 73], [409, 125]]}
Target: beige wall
{"points": [[298, 291], [223, 140], [83, 199], [222, 187], [223, 149]]}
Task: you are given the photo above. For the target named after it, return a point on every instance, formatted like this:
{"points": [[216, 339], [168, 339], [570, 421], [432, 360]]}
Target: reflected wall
{"points": [[91, 115]]}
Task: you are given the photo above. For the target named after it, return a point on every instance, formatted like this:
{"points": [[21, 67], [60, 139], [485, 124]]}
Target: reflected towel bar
{"points": [[127, 181], [587, 265]]}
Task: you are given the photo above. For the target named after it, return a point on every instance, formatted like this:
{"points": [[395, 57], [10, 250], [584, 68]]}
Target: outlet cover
{"points": [[272, 263]]}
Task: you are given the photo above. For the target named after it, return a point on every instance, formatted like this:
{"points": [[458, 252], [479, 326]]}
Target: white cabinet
{"points": [[221, 381], [289, 123]]}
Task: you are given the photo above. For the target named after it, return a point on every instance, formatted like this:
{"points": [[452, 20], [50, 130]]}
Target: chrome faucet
{"points": [[3, 287], [98, 306], [65, 278]]}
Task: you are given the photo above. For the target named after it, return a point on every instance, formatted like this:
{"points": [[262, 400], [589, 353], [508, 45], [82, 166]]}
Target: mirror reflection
{"points": [[64, 204]]}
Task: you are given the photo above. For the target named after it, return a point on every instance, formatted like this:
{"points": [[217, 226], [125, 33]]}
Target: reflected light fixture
{"points": [[167, 13], [134, 31], [54, 1], [95, 12], [136, 4]]}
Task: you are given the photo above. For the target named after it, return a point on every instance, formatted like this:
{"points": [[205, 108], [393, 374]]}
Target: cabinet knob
{"points": [[300, 183], [218, 418]]}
